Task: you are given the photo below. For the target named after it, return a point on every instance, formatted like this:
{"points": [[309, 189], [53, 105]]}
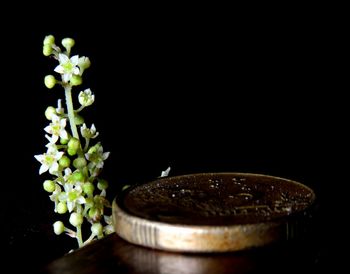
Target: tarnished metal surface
{"points": [[211, 212]]}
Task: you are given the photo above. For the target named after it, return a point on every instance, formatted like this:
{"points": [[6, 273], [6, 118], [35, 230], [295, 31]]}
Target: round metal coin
{"points": [[212, 212]]}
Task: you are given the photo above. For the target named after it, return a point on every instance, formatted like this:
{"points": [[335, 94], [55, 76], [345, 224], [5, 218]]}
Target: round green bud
{"points": [[68, 43], [86, 63], [79, 120], [102, 184], [74, 143], [47, 50], [61, 208], [76, 80], [64, 161], [49, 112], [49, 81], [77, 177], [97, 229], [71, 152], [49, 40], [89, 188], [79, 162], [58, 227], [64, 141], [49, 186], [76, 219]]}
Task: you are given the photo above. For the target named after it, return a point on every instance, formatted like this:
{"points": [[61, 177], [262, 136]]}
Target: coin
{"points": [[212, 212]]}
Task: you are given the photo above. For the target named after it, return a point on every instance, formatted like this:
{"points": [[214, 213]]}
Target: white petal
{"points": [[70, 206], [39, 157], [76, 71], [62, 58], [105, 155], [81, 200], [59, 69], [64, 134], [43, 169], [66, 77], [74, 59]]}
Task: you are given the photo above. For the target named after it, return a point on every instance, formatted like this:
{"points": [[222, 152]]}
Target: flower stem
{"points": [[79, 236], [70, 109]]}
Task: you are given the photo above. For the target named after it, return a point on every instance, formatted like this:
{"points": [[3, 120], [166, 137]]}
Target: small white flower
{"points": [[57, 128], [49, 160], [88, 133], [86, 98], [67, 67], [73, 195], [96, 156]]}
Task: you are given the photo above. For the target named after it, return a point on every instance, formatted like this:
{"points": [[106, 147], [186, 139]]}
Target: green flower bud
{"points": [[85, 63], [89, 188], [49, 40], [49, 186], [79, 162], [76, 80], [47, 50], [49, 112], [102, 184], [64, 161], [58, 227], [77, 177], [97, 229], [79, 120], [49, 81], [76, 219], [61, 208], [71, 152], [68, 43], [74, 144], [63, 141]]}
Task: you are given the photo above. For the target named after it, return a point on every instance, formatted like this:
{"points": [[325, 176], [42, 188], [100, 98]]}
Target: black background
{"points": [[198, 90]]}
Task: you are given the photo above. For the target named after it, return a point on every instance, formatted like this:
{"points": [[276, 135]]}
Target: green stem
{"points": [[70, 109], [79, 236]]}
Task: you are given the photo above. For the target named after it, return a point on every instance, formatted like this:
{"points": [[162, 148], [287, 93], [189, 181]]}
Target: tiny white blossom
{"points": [[57, 128], [67, 67], [86, 98], [96, 156], [89, 133], [73, 195], [49, 160]]}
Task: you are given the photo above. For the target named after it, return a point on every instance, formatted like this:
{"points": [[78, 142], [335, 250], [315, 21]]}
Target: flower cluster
{"points": [[73, 158]]}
